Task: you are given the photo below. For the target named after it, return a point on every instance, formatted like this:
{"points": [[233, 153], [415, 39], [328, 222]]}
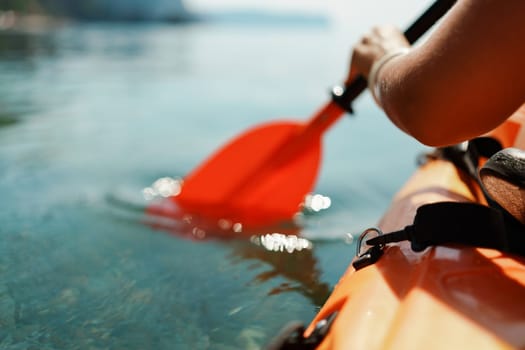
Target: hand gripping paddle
{"points": [[262, 176]]}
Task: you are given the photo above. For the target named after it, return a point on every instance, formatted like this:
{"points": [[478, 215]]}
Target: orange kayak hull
{"points": [[446, 297]]}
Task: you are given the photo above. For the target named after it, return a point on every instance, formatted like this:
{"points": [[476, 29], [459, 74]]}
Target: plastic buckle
{"points": [[370, 255]]}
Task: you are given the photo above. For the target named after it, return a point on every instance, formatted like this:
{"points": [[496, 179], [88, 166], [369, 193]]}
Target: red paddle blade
{"points": [[259, 178]]}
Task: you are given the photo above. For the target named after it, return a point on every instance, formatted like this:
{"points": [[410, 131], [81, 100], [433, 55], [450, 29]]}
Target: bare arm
{"points": [[465, 80]]}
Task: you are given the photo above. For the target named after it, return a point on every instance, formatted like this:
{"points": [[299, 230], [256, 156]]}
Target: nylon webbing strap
{"points": [[462, 223]]}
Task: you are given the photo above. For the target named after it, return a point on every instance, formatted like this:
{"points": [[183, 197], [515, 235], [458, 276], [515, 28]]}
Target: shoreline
{"points": [[11, 21]]}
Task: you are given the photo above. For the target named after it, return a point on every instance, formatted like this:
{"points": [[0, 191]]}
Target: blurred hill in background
{"points": [[37, 15], [125, 10]]}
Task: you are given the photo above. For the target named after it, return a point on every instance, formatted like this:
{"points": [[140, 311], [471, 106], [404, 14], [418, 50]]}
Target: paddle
{"points": [[262, 176]]}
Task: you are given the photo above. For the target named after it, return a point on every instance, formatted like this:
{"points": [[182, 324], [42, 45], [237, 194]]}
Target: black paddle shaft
{"points": [[351, 91]]}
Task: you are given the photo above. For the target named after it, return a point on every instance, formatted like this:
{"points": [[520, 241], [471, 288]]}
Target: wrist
{"points": [[377, 66]]}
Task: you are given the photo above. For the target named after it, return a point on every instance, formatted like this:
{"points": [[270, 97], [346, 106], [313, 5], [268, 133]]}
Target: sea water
{"points": [[93, 114]]}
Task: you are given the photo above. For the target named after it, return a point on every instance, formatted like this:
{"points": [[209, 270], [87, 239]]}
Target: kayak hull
{"points": [[446, 297]]}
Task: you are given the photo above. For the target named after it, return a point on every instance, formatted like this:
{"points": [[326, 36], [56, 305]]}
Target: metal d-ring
{"points": [[363, 235]]}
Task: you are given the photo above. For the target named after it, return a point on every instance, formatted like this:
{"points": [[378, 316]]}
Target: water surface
{"points": [[90, 114]]}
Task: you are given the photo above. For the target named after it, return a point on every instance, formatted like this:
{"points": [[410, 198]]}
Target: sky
{"points": [[342, 12]]}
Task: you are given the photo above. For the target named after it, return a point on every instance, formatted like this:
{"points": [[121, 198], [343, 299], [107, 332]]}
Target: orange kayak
{"points": [[446, 297]]}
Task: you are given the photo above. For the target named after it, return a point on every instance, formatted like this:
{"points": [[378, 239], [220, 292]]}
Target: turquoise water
{"points": [[91, 114]]}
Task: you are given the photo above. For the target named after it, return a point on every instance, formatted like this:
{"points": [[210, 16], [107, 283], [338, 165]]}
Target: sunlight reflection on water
{"points": [[164, 187], [164, 209], [278, 242]]}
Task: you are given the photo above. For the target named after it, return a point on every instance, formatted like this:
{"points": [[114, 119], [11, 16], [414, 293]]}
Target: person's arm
{"points": [[466, 79]]}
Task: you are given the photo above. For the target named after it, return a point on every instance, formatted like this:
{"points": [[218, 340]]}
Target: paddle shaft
{"points": [[343, 98]]}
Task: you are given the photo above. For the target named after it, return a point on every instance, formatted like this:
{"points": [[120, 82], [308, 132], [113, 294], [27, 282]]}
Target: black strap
{"points": [[462, 223]]}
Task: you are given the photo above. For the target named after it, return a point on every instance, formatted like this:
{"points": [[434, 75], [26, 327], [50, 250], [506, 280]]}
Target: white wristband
{"points": [[373, 86]]}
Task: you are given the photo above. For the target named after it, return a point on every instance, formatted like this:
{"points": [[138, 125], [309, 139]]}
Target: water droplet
{"points": [[224, 224], [199, 233]]}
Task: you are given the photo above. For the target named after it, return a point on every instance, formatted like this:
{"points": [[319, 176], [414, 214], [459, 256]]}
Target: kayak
{"points": [[445, 297]]}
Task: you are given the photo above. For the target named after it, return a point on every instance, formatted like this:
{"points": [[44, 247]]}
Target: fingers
{"points": [[374, 45], [364, 54], [386, 31]]}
